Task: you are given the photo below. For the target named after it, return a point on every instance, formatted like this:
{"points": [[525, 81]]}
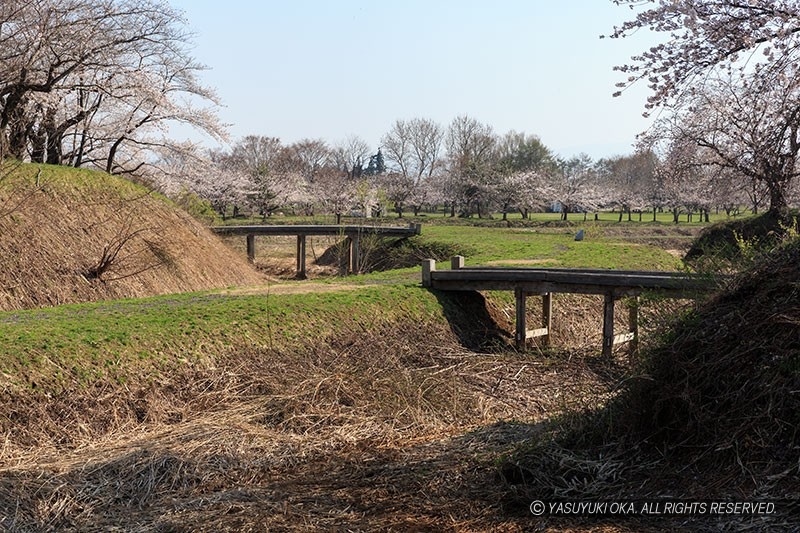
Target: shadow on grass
{"points": [[470, 320]]}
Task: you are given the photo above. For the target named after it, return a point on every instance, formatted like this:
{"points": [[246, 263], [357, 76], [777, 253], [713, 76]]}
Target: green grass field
{"points": [[65, 346], [551, 247], [496, 219], [78, 345]]}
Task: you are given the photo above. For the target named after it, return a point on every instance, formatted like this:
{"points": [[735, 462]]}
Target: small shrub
{"points": [[737, 245], [198, 207]]}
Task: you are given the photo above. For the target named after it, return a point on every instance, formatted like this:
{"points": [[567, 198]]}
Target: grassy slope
{"points": [[75, 346], [56, 223]]}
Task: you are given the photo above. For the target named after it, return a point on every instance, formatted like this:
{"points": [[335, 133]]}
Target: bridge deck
{"points": [[319, 229]]}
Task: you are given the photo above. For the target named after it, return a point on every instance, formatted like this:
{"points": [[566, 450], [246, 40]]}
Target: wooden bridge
{"points": [[611, 284], [352, 233]]}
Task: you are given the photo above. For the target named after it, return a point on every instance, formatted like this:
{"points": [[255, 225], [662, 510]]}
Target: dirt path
{"points": [[293, 287]]}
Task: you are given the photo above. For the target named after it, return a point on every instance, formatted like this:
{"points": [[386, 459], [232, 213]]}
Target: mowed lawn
{"points": [[552, 247]]}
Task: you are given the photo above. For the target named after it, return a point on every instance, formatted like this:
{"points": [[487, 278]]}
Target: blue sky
{"points": [[329, 69]]}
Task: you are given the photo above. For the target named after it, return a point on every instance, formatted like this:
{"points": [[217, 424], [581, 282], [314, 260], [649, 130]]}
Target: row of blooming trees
{"points": [[465, 169]]}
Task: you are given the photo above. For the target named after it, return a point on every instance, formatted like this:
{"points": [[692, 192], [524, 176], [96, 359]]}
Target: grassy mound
{"points": [[732, 243], [70, 235], [715, 413], [381, 254]]}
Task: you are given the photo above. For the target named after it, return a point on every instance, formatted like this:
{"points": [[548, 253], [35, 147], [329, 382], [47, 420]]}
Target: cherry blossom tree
{"points": [[629, 181], [335, 191], [308, 158], [269, 166], [194, 171], [729, 73], [470, 154], [574, 186], [97, 83], [399, 189], [704, 36], [746, 125], [413, 151], [688, 184], [521, 161], [518, 190]]}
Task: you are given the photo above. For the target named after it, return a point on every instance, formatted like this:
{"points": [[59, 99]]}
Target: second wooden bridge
{"points": [[611, 284], [352, 233]]}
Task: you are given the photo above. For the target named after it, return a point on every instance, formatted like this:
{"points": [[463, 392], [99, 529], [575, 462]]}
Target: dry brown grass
{"points": [[60, 230], [375, 430], [275, 255]]}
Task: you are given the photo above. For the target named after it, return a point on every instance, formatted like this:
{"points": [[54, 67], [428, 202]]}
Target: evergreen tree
{"points": [[377, 165]]}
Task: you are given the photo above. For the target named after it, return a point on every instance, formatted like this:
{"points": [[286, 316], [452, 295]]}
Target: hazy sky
{"points": [[329, 69]]}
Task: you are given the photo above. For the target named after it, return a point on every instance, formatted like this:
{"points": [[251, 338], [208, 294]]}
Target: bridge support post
{"points": [[457, 262], [345, 256], [521, 331], [633, 323], [355, 252], [547, 317], [301, 256], [251, 247], [428, 266], [608, 324]]}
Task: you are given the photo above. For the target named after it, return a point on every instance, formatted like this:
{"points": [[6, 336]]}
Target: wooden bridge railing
{"points": [[611, 284]]}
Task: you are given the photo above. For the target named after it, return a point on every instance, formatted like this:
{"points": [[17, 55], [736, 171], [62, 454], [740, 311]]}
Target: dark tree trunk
{"points": [[38, 147], [12, 125], [778, 206], [112, 154]]}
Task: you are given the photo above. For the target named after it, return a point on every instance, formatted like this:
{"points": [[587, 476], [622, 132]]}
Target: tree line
{"points": [[91, 83], [464, 169]]}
